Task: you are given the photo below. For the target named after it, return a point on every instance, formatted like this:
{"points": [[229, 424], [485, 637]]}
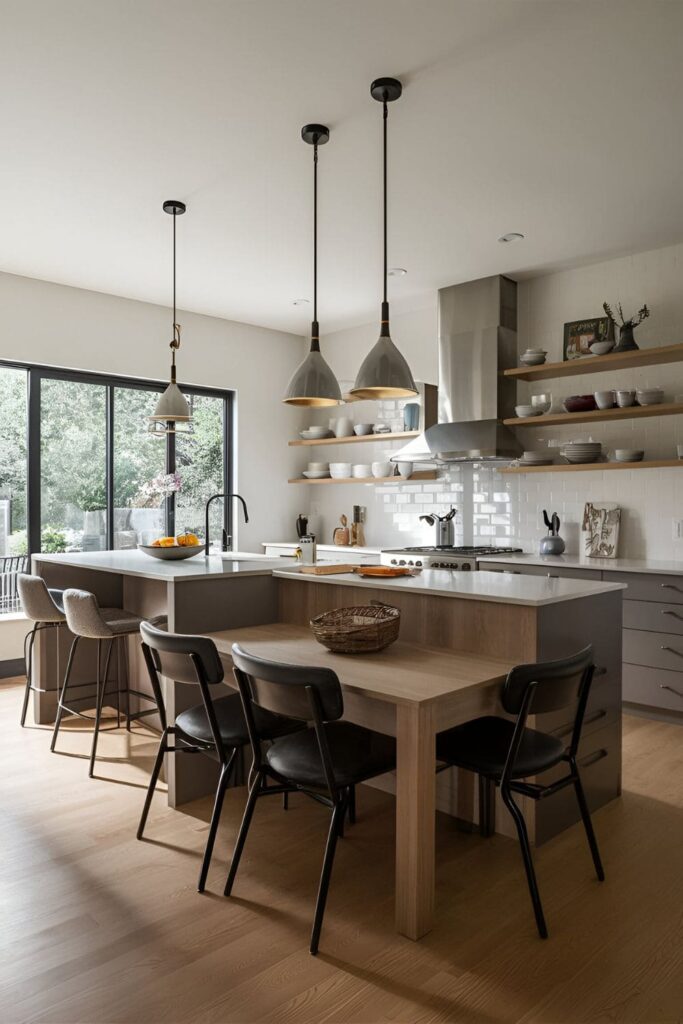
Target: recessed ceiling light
{"points": [[512, 236], [397, 272], [301, 302]]}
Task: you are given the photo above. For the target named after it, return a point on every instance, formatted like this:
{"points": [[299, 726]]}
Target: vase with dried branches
{"points": [[626, 327]]}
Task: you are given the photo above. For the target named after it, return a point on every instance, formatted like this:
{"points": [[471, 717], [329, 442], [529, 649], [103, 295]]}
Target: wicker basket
{"points": [[357, 630]]}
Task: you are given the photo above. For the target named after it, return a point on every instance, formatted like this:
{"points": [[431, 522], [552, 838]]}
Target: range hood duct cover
{"points": [[477, 341]]}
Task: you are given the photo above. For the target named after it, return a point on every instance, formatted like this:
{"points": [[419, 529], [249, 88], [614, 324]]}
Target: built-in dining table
{"points": [[408, 691]]}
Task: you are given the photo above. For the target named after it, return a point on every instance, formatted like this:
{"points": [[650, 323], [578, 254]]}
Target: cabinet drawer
{"points": [[648, 587], [656, 687], [653, 616], [542, 570], [653, 650]]}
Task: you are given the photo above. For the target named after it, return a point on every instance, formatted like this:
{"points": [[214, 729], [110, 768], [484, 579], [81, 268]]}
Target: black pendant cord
{"points": [[175, 341], [315, 330], [384, 329]]}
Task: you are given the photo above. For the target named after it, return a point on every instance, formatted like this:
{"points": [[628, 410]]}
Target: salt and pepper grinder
{"points": [[357, 527]]}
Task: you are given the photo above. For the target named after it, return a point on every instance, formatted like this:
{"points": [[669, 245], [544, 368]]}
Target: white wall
{"points": [[507, 510]]}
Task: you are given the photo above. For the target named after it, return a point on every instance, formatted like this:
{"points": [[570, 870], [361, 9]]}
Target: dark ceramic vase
{"points": [[627, 342]]}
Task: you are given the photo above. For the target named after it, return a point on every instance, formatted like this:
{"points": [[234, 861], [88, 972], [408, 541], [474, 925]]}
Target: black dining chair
{"points": [[216, 727], [504, 753], [325, 761]]}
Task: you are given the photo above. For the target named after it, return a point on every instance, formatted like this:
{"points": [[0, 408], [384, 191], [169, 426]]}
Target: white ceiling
{"points": [[557, 118]]}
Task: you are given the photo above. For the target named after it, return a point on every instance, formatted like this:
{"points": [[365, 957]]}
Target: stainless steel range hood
{"points": [[477, 341]]}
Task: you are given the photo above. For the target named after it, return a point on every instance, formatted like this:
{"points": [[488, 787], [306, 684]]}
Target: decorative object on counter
{"points": [[626, 327], [360, 629], [309, 554], [301, 525], [543, 401], [172, 413], [411, 416], [313, 382], [533, 357], [579, 335], [580, 403], [385, 572], [628, 454], [605, 399], [600, 528], [649, 396], [601, 348], [361, 470], [404, 469], [340, 535], [542, 458], [363, 429], [553, 543], [343, 427], [173, 549], [523, 411], [625, 397], [582, 451], [384, 373], [444, 527], [358, 526], [382, 469], [316, 433], [340, 470]]}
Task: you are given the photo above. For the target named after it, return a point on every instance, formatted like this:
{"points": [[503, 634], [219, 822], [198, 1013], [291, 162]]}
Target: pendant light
{"points": [[384, 372], [172, 414], [313, 383]]}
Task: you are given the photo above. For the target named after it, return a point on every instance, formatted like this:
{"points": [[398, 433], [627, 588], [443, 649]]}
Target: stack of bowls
{"points": [[533, 357], [340, 470], [582, 451], [361, 470], [315, 433], [541, 458], [649, 396], [628, 454], [317, 470]]}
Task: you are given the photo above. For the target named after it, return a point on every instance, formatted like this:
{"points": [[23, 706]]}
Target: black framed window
{"points": [[83, 473]]}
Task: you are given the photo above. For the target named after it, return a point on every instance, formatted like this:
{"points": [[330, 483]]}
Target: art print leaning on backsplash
{"points": [[601, 530], [579, 335]]}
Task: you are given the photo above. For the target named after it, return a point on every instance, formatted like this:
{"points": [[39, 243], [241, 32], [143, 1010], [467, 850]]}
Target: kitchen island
{"points": [[460, 635]]}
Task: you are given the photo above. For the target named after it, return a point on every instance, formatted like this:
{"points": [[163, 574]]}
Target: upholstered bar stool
{"points": [[45, 609], [107, 626]]}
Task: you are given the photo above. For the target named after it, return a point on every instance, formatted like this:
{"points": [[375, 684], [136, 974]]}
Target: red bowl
{"points": [[580, 403]]}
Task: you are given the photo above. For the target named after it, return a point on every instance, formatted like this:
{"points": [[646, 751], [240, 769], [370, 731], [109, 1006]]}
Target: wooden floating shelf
{"points": [[598, 364], [426, 474], [599, 466], [631, 412], [405, 435]]}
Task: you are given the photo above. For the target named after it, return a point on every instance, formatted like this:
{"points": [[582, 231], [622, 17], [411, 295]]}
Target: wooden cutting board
{"points": [[327, 570]]}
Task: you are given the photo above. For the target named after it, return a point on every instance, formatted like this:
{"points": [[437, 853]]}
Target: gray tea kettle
{"points": [[553, 543]]}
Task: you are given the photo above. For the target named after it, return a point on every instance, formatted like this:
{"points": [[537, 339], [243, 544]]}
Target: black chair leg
{"points": [[159, 760], [28, 664], [487, 806], [352, 805], [101, 689], [62, 694], [332, 836], [215, 818], [242, 834], [285, 801], [518, 819], [588, 825]]}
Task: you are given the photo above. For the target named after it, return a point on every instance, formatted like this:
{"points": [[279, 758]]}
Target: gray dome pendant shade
{"points": [[313, 383], [172, 413], [384, 372]]}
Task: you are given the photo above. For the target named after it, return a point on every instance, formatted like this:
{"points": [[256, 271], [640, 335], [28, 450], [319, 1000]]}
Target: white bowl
{"points": [[649, 396], [405, 469], [604, 399], [528, 410], [601, 348], [626, 399], [363, 429], [532, 359], [318, 466], [382, 469], [316, 474], [361, 469], [315, 433], [628, 454], [340, 470]]}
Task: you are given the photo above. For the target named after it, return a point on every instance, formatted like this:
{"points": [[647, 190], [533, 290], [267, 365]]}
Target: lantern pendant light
{"points": [[172, 414], [384, 372], [313, 383]]}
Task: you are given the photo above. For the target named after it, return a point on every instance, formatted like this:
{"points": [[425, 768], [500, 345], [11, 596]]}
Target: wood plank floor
{"points": [[97, 927]]}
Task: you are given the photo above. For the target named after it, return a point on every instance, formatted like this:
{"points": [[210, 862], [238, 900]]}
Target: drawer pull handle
{"points": [[673, 650], [586, 762], [670, 586], [668, 611], [671, 689]]}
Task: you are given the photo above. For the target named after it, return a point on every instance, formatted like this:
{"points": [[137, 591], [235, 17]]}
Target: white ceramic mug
{"points": [[343, 427]]}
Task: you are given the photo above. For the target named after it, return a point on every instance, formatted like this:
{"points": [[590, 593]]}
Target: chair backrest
{"points": [[83, 615], [286, 689], [558, 683], [36, 600], [185, 659]]}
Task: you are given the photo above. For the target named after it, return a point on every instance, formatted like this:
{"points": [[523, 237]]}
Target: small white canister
{"points": [[308, 547]]}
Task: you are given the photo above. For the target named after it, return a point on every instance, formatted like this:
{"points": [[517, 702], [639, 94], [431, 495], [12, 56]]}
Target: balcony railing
{"points": [[10, 567]]}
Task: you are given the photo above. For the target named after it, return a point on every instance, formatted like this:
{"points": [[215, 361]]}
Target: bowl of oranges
{"points": [[185, 545]]}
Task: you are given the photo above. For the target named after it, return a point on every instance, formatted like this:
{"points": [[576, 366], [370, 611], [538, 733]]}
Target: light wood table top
{"points": [[400, 674]]}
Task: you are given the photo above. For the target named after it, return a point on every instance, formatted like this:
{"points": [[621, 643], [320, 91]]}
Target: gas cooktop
{"points": [[467, 551]]}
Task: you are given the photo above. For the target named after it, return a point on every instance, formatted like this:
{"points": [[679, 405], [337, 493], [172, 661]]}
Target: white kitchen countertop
{"points": [[600, 564], [477, 586], [136, 563]]}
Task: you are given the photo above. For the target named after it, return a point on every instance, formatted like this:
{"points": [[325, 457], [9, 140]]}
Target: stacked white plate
{"points": [[582, 451], [536, 459], [315, 433]]}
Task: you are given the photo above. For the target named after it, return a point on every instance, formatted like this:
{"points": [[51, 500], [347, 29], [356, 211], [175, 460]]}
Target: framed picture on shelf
{"points": [[580, 334]]}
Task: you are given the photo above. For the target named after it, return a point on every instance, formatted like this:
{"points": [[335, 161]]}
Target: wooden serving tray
{"points": [[327, 570], [382, 571]]}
